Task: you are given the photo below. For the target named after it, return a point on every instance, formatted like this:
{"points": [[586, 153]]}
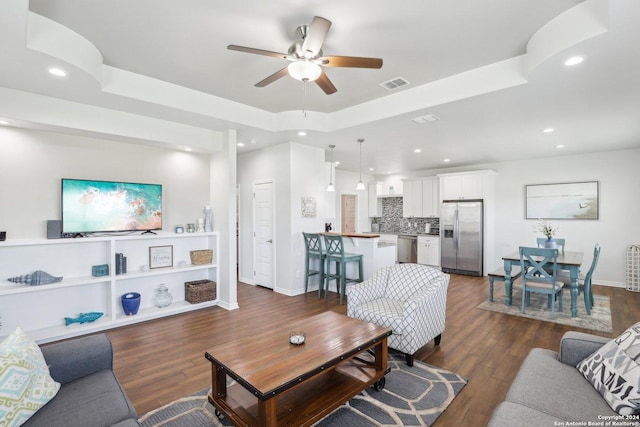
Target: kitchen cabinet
{"points": [[385, 189], [420, 198], [375, 203], [40, 310], [429, 250], [430, 197], [465, 185], [412, 198]]}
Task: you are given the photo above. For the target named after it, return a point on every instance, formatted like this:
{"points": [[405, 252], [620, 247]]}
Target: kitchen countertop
{"points": [[398, 233], [367, 235]]}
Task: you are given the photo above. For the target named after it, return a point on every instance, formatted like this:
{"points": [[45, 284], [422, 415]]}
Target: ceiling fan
{"points": [[307, 59]]}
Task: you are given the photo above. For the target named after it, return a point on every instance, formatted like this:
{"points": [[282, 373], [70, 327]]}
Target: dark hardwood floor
{"points": [[162, 360]]}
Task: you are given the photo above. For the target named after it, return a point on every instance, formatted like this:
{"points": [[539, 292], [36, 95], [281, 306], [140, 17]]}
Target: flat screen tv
{"points": [[108, 206]]}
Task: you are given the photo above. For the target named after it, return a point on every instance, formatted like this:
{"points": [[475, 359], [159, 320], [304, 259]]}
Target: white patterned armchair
{"points": [[410, 299]]}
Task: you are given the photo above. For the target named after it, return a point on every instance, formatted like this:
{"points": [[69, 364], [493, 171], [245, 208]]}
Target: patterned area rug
{"points": [[599, 320], [412, 396]]}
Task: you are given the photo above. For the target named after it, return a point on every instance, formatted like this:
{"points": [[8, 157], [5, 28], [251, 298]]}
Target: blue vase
{"points": [[550, 243], [130, 303]]}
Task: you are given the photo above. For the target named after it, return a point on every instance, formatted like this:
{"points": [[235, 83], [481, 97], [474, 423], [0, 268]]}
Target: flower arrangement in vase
{"points": [[548, 230]]}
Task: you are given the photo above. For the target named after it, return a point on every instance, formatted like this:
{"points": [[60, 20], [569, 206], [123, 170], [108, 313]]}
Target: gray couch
{"points": [[90, 395], [549, 388]]}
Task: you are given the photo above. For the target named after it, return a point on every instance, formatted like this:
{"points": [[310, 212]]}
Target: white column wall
{"points": [[223, 205]]}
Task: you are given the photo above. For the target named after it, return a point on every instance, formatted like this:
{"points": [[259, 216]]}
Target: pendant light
{"points": [[330, 187], [360, 185]]}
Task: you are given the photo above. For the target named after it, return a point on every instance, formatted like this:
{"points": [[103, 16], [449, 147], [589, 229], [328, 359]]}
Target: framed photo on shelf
{"points": [[160, 256]]}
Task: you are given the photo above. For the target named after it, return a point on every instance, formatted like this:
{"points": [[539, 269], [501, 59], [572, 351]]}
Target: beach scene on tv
{"points": [[98, 206]]}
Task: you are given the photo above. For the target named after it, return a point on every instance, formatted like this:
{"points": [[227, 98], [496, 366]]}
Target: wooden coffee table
{"points": [[281, 384]]}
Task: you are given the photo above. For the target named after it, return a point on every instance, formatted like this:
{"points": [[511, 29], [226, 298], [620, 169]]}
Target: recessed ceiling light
{"points": [[574, 60], [371, 169], [336, 163], [240, 144], [302, 133], [446, 160], [417, 150], [560, 146], [4, 122], [58, 72], [548, 130], [188, 149]]}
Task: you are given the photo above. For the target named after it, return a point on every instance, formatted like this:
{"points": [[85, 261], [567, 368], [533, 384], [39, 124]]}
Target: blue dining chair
{"points": [[335, 253], [584, 281], [559, 243], [539, 267], [313, 244]]}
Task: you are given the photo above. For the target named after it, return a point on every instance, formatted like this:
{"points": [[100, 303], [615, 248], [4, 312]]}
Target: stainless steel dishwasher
{"points": [[407, 248]]}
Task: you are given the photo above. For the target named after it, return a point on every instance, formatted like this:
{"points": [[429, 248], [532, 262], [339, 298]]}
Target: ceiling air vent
{"points": [[425, 119], [394, 83]]}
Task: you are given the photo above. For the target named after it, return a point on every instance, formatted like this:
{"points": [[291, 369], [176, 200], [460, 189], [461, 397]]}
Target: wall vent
{"points": [[394, 83], [424, 119]]}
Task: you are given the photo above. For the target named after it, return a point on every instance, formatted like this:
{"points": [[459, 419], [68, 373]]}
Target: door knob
{"points": [[269, 241]]}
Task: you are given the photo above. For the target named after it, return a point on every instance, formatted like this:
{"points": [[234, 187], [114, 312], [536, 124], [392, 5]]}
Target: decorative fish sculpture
{"points": [[83, 318], [38, 277]]}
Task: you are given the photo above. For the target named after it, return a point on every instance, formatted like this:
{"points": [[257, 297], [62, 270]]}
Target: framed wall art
{"points": [[572, 200], [308, 207], [160, 256]]}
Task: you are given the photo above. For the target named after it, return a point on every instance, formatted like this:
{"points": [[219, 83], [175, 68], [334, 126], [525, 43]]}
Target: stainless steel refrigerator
{"points": [[461, 236]]}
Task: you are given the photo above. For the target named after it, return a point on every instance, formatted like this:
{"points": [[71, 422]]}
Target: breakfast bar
{"points": [[375, 254]]}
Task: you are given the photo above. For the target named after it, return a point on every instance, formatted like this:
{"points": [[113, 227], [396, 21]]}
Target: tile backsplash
{"points": [[392, 221]]}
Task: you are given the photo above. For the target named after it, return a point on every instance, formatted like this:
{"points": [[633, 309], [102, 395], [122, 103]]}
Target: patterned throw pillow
{"points": [[614, 371], [25, 383]]}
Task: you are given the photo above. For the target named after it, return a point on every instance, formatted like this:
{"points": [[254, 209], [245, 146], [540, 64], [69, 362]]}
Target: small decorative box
{"points": [[100, 270]]}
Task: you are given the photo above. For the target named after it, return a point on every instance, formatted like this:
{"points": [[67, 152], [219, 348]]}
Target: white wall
{"points": [[33, 162], [346, 184], [308, 178], [270, 164], [297, 170], [618, 226]]}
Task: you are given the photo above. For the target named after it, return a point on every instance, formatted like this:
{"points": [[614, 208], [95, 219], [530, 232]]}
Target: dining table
{"points": [[569, 260]]}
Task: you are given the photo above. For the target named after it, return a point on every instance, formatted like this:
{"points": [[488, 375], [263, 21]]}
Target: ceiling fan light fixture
{"points": [[304, 71]]}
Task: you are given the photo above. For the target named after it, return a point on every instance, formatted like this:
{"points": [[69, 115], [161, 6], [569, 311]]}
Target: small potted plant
{"points": [[548, 230]]}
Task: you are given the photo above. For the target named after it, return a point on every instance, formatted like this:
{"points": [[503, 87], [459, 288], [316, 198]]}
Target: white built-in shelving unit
{"points": [[40, 310]]}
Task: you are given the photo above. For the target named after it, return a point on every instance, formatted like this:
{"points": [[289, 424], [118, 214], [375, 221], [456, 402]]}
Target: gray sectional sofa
{"points": [[549, 390], [90, 395]]}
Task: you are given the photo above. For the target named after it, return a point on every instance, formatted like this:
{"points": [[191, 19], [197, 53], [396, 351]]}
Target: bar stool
{"points": [[314, 251], [335, 253]]}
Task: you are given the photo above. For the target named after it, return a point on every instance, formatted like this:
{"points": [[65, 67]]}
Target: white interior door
{"points": [[263, 241]]}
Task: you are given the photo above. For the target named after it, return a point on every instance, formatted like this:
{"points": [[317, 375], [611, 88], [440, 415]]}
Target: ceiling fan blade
{"points": [[325, 84], [350, 61], [316, 34], [273, 77], [258, 51]]}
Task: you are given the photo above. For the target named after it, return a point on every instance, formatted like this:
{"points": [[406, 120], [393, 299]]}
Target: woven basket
{"points": [[199, 291], [202, 256]]}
